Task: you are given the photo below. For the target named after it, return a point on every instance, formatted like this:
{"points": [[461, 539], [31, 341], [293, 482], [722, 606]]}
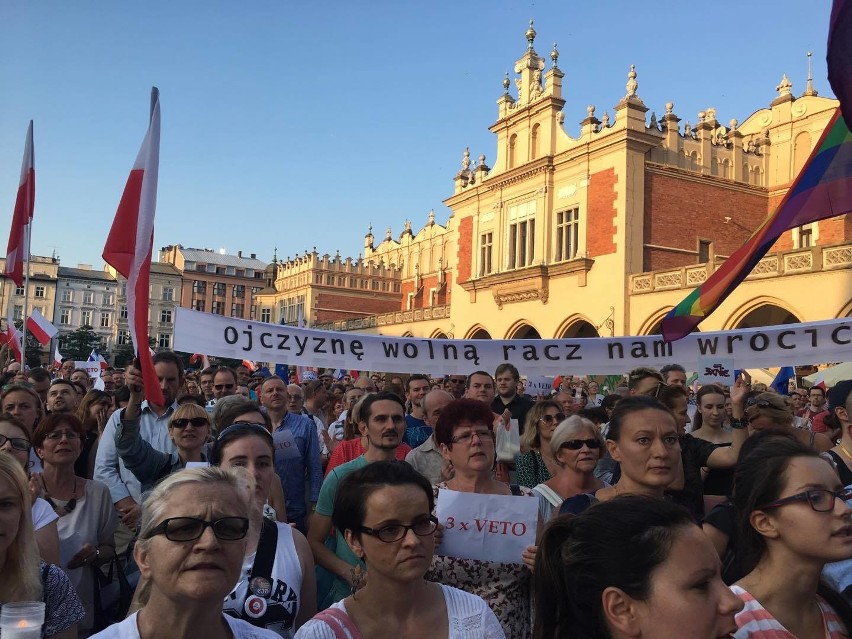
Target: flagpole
{"points": [[26, 293]]}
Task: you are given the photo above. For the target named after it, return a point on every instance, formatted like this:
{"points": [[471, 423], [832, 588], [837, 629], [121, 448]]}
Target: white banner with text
{"points": [[786, 345], [486, 527]]}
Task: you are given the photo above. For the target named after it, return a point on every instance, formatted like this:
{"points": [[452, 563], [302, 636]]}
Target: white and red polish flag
{"points": [[41, 328], [57, 357], [12, 335], [131, 239], [16, 252]]}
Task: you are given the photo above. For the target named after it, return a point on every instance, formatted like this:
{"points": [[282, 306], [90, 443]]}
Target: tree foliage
{"points": [[78, 344]]}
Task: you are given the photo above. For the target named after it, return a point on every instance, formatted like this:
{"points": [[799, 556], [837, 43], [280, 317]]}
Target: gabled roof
{"points": [[212, 257], [65, 272]]}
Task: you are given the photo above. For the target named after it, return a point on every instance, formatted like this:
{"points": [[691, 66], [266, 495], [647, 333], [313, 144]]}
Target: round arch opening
{"points": [[580, 329], [479, 333], [767, 315], [439, 335], [525, 331]]}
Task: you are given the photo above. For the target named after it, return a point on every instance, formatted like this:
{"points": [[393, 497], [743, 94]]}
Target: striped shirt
{"points": [[756, 622]]}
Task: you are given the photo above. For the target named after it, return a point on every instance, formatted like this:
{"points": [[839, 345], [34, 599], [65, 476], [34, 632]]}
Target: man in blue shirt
{"points": [[417, 430], [123, 485], [297, 450]]}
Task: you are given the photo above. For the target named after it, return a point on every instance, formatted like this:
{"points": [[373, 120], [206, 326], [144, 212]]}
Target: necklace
{"points": [[843, 448], [69, 506]]}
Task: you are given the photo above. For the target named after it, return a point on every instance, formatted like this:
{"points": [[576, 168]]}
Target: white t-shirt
{"points": [[469, 618], [127, 629], [43, 514], [277, 610]]}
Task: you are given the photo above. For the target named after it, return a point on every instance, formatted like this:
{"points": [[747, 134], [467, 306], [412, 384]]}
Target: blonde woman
{"points": [[536, 463], [189, 429], [23, 576]]}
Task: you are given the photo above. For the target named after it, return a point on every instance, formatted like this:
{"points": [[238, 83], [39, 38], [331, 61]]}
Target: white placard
{"points": [[787, 345], [539, 385], [92, 368], [716, 370], [486, 527]]}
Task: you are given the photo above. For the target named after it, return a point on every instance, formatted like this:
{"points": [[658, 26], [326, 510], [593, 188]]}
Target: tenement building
{"points": [[602, 233]]}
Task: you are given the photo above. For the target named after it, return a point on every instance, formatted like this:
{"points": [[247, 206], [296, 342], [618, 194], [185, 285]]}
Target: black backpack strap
{"points": [[261, 570], [516, 490]]}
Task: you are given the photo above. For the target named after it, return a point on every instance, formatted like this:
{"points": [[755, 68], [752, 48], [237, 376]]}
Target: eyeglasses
{"points": [[191, 528], [395, 532], [549, 419], [820, 499], [295, 398], [249, 426], [224, 386], [18, 443], [198, 422], [56, 435], [577, 444], [465, 438]]}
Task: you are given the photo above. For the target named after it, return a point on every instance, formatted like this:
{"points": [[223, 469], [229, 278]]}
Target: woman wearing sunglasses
{"points": [[191, 545], [385, 512], [792, 519], [15, 440], [643, 438], [771, 411], [536, 463], [189, 429], [87, 518], [576, 447], [465, 437], [276, 588]]}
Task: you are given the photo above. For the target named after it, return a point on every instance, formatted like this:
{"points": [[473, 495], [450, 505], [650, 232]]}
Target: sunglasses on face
{"points": [[191, 528], [549, 419], [577, 444], [198, 422], [18, 443]]}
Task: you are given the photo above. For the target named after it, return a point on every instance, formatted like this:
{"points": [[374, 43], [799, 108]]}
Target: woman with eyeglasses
{"points": [[23, 576], [87, 518], [191, 544], [576, 447], [643, 438], [536, 463], [771, 411], [93, 413], [465, 438], [15, 440], [276, 588], [385, 512], [792, 519], [189, 429]]}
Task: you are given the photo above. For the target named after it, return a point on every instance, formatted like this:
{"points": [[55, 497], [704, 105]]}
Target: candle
{"points": [[21, 620]]}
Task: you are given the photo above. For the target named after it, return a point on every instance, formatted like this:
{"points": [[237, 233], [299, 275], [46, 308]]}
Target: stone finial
{"points": [[530, 35], [432, 217], [466, 159], [506, 83], [481, 163], [554, 55], [560, 118], [605, 119], [653, 124], [711, 114], [631, 85], [687, 129], [784, 87], [701, 116], [669, 108], [733, 124], [388, 235], [407, 228], [810, 87], [590, 111]]}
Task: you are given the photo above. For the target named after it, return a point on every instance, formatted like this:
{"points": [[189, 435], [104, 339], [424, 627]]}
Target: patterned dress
{"points": [[506, 588], [755, 622]]}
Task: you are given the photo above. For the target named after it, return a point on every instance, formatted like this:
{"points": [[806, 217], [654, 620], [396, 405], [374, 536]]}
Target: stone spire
{"points": [[530, 35], [632, 103], [810, 87], [784, 89], [554, 55]]}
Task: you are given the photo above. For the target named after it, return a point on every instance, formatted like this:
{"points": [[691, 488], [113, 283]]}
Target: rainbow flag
{"points": [[822, 189]]}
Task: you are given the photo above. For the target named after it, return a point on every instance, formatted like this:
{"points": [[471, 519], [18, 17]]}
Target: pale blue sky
{"points": [[298, 124]]}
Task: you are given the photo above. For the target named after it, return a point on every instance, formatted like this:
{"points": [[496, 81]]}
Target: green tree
{"points": [[78, 344], [124, 354], [34, 349]]}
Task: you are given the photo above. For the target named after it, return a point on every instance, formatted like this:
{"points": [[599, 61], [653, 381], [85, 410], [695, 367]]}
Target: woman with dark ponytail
{"points": [[633, 567]]}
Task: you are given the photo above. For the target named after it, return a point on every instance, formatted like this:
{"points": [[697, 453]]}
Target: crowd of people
{"points": [[248, 506]]}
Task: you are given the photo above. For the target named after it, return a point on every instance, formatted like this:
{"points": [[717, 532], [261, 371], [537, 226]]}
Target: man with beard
{"points": [[153, 419], [506, 379], [62, 397], [383, 420], [297, 451]]}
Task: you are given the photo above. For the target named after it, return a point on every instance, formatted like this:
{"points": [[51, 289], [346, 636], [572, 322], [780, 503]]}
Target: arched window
{"points": [[534, 142]]}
